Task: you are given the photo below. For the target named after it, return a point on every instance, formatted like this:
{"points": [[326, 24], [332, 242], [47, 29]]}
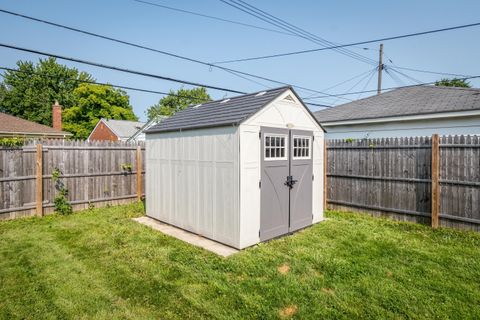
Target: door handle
{"points": [[290, 182]]}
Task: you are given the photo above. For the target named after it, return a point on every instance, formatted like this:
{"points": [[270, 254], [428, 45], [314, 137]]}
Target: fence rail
{"points": [[425, 179], [95, 173]]}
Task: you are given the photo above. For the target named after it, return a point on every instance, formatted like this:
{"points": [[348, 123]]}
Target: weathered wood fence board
{"points": [[95, 173], [393, 176]]}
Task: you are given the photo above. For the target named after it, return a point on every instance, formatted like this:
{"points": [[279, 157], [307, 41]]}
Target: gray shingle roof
{"points": [[124, 128], [218, 113], [405, 102]]}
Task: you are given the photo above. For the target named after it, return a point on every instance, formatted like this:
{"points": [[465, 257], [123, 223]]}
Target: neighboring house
{"points": [[14, 127], [140, 134], [114, 130], [411, 111]]}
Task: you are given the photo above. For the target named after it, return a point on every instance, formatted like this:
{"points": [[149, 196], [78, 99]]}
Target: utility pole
{"points": [[380, 69]]}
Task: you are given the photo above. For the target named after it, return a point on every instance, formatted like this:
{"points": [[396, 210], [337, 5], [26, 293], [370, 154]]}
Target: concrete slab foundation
{"points": [[191, 238]]}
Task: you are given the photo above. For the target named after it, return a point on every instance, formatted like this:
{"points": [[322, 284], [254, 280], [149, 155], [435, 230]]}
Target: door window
{"points": [[301, 147], [275, 147]]}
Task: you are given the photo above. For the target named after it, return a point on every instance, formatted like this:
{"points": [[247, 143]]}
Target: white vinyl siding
{"points": [[192, 181]]}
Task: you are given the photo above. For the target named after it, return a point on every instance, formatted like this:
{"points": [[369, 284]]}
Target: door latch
{"points": [[290, 182]]}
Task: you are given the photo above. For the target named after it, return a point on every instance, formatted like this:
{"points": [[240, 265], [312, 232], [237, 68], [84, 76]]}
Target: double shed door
{"points": [[286, 181]]}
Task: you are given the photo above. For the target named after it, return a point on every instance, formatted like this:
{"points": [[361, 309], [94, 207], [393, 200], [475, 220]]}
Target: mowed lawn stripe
{"points": [[101, 264]]}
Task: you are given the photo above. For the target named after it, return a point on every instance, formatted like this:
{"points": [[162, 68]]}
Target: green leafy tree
{"points": [[453, 83], [92, 102], [179, 100], [30, 92], [3, 92]]}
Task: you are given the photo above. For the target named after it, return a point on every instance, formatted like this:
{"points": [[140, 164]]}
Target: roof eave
{"points": [[409, 117]]}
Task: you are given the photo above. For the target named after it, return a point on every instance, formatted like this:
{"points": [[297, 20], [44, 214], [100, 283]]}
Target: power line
{"points": [[301, 32], [343, 82], [210, 65], [423, 71], [211, 17], [344, 51], [358, 82], [406, 75], [318, 105], [368, 82], [395, 78], [399, 87], [98, 83], [432, 72], [100, 65], [355, 43], [284, 25], [121, 86]]}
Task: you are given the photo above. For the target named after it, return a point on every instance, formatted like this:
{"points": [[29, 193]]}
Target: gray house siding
{"points": [[447, 126]]}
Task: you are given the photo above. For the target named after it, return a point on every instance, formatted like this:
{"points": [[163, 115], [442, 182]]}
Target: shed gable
{"points": [[286, 110]]}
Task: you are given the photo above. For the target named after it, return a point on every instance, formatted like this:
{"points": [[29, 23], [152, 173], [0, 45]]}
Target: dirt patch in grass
{"points": [[328, 291], [284, 268], [288, 311]]}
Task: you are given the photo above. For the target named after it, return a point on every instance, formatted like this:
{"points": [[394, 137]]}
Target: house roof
{"points": [[230, 111], [123, 128], [14, 125], [415, 100], [150, 123]]}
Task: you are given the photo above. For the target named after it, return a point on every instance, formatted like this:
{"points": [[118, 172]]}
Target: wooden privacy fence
{"points": [[94, 173], [425, 179]]}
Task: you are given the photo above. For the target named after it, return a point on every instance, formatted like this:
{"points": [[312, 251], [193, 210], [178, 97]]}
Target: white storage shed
{"points": [[238, 171]]}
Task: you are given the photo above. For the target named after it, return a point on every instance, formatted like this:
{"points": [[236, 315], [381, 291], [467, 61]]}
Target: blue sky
{"points": [[209, 40]]}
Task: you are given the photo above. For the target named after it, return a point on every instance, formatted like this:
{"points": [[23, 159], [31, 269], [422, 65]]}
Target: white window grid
{"points": [[302, 147], [275, 147]]}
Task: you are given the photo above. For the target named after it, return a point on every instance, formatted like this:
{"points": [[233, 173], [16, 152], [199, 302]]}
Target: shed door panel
{"points": [[301, 170], [274, 203]]}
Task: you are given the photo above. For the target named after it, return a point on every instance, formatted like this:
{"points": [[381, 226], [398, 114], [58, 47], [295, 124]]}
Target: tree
{"points": [[179, 100], [30, 92], [92, 102], [453, 83], [3, 91]]}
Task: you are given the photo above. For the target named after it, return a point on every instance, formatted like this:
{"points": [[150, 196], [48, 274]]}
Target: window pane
{"points": [[306, 152], [267, 141], [282, 142], [267, 153], [308, 142], [295, 142], [283, 152]]}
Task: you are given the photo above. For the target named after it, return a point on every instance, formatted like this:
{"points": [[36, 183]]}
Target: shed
{"points": [[238, 171]]}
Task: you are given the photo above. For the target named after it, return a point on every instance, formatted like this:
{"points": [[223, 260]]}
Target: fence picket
{"points": [[87, 169], [391, 176]]}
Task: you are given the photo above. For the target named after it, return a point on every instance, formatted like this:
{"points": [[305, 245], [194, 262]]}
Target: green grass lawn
{"points": [[101, 264]]}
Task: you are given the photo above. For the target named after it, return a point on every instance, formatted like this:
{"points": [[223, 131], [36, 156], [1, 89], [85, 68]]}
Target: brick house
{"points": [[114, 130]]}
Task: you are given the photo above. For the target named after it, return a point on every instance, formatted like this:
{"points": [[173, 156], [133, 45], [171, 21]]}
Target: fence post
{"points": [[325, 157], [39, 180], [139, 173], [435, 180]]}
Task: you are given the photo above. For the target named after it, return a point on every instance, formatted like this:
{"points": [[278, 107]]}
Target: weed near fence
{"points": [[92, 172]]}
